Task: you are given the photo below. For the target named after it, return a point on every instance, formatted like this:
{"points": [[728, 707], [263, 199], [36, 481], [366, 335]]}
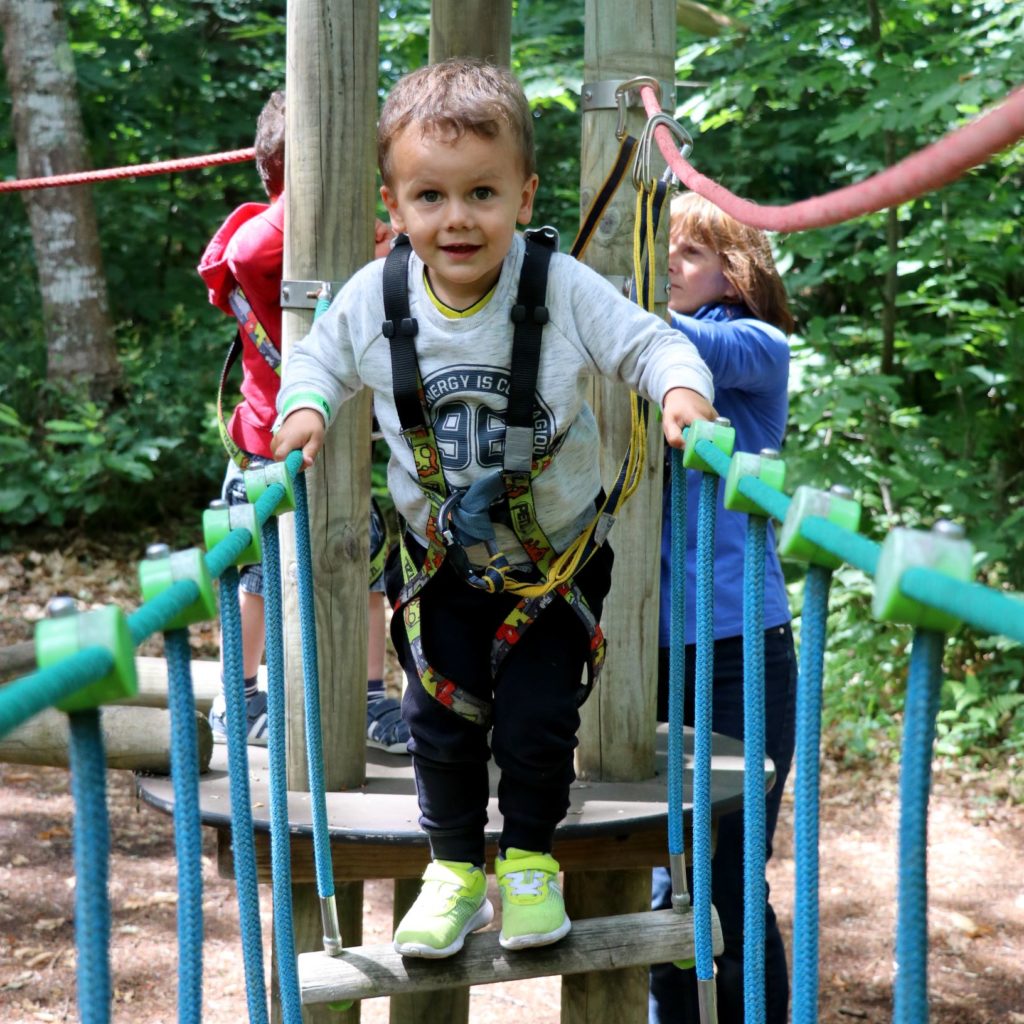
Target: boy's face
{"points": [[695, 276], [459, 202]]}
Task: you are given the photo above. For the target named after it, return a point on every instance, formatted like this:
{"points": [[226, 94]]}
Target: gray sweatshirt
{"points": [[593, 331]]}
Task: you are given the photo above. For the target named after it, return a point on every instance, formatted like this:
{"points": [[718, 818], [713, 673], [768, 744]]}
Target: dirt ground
{"points": [[976, 878]]}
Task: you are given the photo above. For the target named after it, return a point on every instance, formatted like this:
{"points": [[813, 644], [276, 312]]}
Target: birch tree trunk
{"points": [[48, 132]]}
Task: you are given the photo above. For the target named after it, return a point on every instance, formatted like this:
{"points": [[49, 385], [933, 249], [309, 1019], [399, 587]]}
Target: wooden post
{"points": [[473, 28], [330, 191], [621, 41]]}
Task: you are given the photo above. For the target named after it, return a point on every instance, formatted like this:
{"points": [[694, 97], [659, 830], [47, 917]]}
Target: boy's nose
{"points": [[459, 214]]}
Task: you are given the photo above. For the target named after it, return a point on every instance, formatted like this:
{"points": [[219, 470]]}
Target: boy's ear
{"points": [[391, 202], [526, 205]]}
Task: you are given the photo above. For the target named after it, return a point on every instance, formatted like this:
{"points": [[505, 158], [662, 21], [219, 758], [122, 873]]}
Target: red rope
{"points": [[928, 169], [135, 171]]}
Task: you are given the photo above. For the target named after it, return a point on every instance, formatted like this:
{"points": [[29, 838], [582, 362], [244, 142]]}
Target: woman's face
{"points": [[695, 276]]}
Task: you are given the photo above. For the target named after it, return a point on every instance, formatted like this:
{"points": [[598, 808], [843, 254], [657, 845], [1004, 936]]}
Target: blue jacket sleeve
{"points": [[748, 355]]}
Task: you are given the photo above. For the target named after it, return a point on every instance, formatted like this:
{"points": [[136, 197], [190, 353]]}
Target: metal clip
{"points": [[642, 160], [622, 98]]}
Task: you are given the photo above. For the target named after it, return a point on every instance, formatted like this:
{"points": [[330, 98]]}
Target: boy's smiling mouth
{"points": [[458, 249]]}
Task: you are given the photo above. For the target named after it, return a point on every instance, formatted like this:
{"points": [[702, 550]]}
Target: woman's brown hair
{"points": [[746, 256]]}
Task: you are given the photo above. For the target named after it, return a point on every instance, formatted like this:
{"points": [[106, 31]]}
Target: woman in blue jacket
{"points": [[727, 298]]}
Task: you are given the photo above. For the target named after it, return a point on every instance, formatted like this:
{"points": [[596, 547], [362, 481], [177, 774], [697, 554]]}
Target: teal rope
{"points": [[813, 625], [25, 697], [311, 690], [984, 608], [242, 845], [910, 994], [677, 656], [702, 720], [755, 843], [92, 856], [188, 840], [280, 832]]}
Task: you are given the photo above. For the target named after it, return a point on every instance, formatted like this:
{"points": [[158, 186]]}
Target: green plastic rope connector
{"points": [[221, 518], [765, 466], [66, 632], [259, 480], [721, 434], [837, 506], [161, 569], [943, 549]]}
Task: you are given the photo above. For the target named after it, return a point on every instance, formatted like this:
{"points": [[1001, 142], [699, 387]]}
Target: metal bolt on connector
{"points": [[721, 421], [947, 528], [840, 491], [769, 453], [60, 606], [157, 551], [218, 503]]}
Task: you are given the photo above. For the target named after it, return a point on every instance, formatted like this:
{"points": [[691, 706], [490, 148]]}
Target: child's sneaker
{"points": [[452, 903], [532, 910], [385, 728], [255, 719]]}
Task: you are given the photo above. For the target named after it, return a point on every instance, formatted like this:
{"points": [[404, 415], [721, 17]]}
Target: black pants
{"points": [[673, 997], [535, 699]]}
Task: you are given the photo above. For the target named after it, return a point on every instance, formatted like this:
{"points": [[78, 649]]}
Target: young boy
{"points": [[455, 148], [242, 269]]}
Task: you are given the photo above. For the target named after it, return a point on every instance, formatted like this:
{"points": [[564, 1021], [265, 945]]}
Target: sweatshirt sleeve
{"points": [[748, 355], [321, 371], [629, 344]]}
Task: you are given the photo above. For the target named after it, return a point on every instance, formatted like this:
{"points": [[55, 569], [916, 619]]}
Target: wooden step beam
{"points": [[594, 944]]}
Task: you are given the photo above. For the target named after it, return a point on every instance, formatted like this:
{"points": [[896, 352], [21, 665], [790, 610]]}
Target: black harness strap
{"points": [[400, 329], [529, 315]]}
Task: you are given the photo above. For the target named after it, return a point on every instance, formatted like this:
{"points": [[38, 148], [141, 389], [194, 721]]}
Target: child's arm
{"points": [[303, 429], [679, 408]]}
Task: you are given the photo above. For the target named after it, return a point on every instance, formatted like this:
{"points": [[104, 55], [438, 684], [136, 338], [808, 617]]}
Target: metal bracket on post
{"points": [[303, 294], [607, 95]]}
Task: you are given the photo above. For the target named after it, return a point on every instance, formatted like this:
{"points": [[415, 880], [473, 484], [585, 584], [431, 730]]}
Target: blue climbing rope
{"points": [[242, 845], [676, 658], [91, 857], [755, 844], [311, 690], [924, 681], [813, 622], [280, 832], [702, 720], [188, 841]]}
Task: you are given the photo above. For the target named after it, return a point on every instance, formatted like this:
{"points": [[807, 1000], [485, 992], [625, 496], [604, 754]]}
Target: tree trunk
{"points": [[48, 132]]}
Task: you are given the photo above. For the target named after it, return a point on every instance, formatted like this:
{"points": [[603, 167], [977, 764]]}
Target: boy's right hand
{"points": [[303, 429]]}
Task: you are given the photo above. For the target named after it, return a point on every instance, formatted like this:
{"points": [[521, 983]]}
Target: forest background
{"points": [[908, 376]]}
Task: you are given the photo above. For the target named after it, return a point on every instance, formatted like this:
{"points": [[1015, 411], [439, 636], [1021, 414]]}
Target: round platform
{"points": [[384, 810]]}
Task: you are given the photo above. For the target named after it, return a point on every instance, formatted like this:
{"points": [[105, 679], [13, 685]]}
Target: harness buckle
{"points": [[406, 327], [539, 315], [444, 520]]}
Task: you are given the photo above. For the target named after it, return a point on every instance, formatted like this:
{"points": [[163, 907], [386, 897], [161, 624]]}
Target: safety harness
{"points": [[461, 518]]}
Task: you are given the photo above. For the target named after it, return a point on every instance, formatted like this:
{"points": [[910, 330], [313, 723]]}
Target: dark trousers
{"points": [[673, 997], [535, 701]]}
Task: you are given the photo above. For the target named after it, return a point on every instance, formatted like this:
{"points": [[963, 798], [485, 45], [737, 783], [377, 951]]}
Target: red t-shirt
{"points": [[248, 251]]}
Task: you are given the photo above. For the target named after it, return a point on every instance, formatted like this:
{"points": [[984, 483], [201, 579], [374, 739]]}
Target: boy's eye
{"points": [[430, 195], [483, 192]]}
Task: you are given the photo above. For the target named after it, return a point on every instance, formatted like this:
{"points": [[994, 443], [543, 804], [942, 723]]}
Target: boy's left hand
{"points": [[679, 408]]}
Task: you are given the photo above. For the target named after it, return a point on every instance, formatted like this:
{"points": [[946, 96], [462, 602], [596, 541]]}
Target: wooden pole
{"points": [[330, 192], [621, 41], [472, 28]]}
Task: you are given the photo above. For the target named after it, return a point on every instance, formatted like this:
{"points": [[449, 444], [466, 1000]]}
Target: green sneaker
{"points": [[451, 904], [532, 910]]}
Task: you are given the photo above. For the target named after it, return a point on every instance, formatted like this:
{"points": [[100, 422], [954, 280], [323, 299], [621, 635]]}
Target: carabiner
{"points": [[622, 100], [642, 160]]}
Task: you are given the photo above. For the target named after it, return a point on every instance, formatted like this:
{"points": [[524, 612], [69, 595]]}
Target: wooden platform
{"points": [[374, 830]]}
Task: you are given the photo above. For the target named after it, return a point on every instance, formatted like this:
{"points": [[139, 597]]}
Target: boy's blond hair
{"points": [[451, 98], [746, 256]]}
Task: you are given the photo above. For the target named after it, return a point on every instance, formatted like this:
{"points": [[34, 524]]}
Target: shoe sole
{"points": [[483, 916], [390, 748], [220, 737], [535, 938]]}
